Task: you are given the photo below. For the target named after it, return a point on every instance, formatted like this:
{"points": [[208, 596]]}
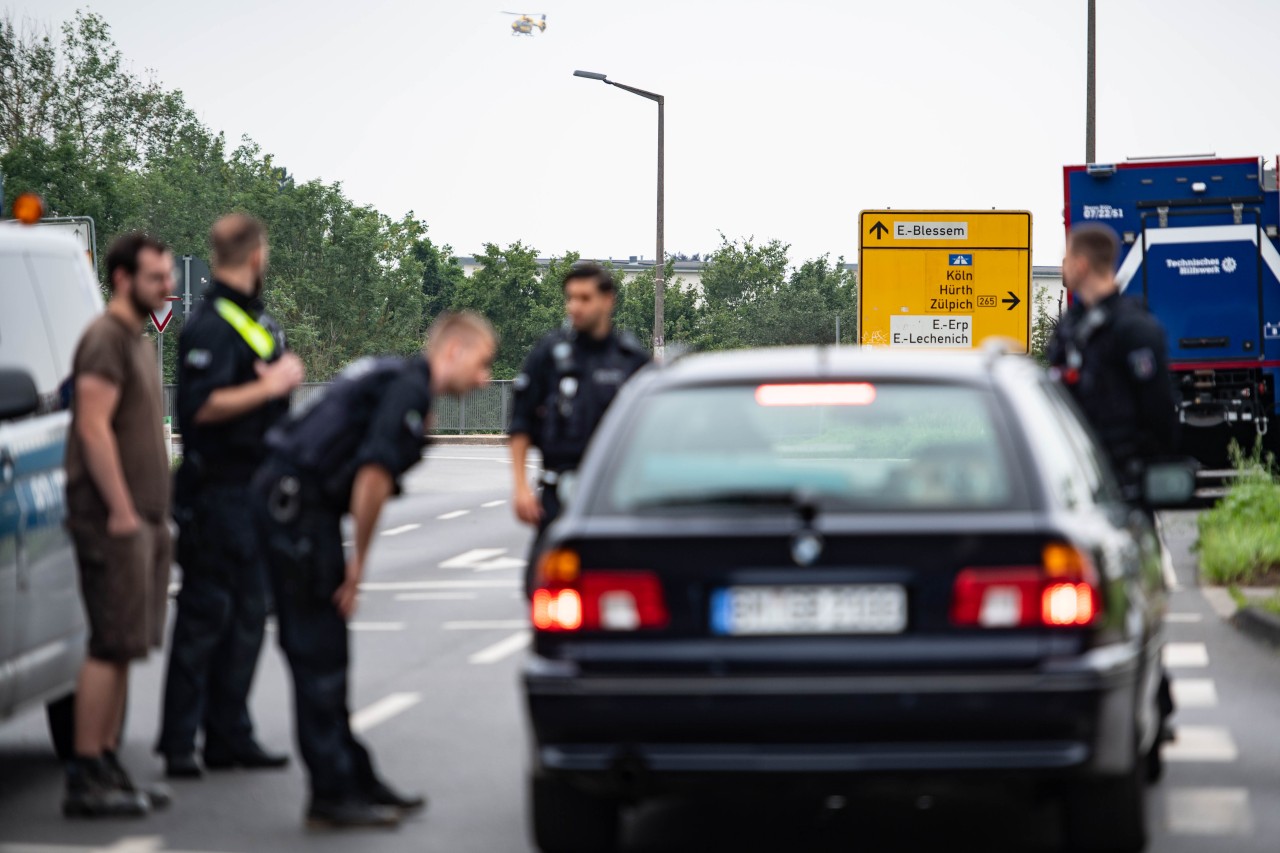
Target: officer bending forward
{"points": [[346, 454]]}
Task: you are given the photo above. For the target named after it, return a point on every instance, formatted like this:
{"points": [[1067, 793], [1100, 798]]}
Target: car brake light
{"points": [[817, 394], [570, 599], [1063, 591], [557, 610]]}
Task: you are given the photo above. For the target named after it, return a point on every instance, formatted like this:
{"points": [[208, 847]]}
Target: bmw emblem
{"points": [[806, 547]]}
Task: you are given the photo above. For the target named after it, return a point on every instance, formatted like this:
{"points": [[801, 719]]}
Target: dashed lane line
{"points": [[492, 504], [435, 596], [486, 624], [1183, 618], [1194, 693], [382, 710], [1208, 811], [404, 528], [423, 586], [1185, 655], [374, 627], [1202, 743], [501, 649], [457, 513]]}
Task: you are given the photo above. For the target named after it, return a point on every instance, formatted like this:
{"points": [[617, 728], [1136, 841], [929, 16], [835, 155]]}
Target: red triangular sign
{"points": [[162, 317]]}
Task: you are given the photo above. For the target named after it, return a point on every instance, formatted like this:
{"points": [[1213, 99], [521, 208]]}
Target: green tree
{"points": [[737, 276], [682, 309], [521, 303]]}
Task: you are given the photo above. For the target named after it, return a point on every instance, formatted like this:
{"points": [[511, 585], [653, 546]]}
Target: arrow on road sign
{"points": [[162, 317], [879, 230], [1013, 301]]}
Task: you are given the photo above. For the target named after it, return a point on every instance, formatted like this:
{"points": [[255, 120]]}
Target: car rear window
{"points": [[888, 446]]}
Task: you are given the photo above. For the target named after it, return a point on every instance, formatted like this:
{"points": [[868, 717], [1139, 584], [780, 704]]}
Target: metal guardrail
{"points": [[486, 410]]}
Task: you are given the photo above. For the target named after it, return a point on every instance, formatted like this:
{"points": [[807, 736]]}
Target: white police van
{"points": [[48, 295]]}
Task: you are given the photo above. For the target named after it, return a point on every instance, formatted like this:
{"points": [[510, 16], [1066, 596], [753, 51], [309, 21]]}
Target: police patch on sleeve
{"points": [[413, 422], [1143, 364], [199, 359], [522, 382]]}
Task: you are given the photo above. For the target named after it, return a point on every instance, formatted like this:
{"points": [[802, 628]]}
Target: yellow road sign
{"points": [[944, 279]]}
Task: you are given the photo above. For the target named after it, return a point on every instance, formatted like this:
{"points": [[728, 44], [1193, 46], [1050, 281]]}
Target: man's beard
{"points": [[141, 308]]}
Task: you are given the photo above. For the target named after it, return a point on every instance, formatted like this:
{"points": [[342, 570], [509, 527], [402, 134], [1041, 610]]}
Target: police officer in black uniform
{"points": [[1110, 353], [347, 454], [234, 379], [568, 381]]}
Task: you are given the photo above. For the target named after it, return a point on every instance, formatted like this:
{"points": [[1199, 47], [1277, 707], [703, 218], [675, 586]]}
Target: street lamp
{"points": [[659, 284], [1091, 85]]}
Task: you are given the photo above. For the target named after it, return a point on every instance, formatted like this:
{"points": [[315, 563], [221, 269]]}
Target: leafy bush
{"points": [[1240, 537]]}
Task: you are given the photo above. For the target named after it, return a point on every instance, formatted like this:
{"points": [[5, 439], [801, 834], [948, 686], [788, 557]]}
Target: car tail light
{"points": [[1061, 592], [571, 599]]}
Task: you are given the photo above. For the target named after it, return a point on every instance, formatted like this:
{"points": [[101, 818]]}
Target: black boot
{"points": [[383, 794], [159, 797], [91, 792], [250, 756], [350, 813]]}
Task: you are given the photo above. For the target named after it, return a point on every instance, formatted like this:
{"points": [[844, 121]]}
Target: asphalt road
{"points": [[438, 640]]}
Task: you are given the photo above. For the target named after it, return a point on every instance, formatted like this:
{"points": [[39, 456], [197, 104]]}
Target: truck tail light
{"points": [[571, 599], [1061, 592]]}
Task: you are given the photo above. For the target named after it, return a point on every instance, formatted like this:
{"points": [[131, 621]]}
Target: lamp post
{"points": [[659, 283], [1091, 85]]}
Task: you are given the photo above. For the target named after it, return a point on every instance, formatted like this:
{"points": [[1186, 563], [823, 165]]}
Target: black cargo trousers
{"points": [[218, 631], [302, 540]]}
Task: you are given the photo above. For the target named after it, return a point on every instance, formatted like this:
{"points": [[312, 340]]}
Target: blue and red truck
{"points": [[1201, 247]]}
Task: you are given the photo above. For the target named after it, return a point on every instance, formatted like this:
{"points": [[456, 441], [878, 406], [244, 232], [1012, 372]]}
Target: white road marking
{"points": [[504, 460], [382, 710], [486, 624], [492, 504], [416, 586], [1194, 693], [501, 563], [1202, 743], [375, 626], [128, 844], [469, 559], [483, 560], [1185, 654], [1166, 566], [1208, 811], [435, 596], [1166, 561], [501, 649], [457, 513], [1183, 618], [404, 528]]}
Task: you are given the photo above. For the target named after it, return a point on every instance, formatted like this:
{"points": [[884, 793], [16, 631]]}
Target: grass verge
{"points": [[1240, 537]]}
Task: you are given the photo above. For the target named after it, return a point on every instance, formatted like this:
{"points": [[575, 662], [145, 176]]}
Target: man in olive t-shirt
{"points": [[118, 506]]}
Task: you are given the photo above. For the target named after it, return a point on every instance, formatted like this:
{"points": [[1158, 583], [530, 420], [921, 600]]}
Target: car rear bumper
{"points": [[1073, 716]]}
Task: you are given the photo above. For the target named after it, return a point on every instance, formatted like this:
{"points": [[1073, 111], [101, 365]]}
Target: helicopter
{"points": [[524, 23]]}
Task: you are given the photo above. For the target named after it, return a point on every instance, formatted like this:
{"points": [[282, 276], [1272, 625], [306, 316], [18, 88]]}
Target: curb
{"points": [[1258, 623], [469, 440]]}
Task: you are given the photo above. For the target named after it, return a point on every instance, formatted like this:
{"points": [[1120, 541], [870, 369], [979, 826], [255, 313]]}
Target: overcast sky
{"points": [[784, 119]]}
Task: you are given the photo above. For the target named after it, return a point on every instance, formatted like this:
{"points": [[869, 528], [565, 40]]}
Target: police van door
{"points": [[8, 575], [1202, 276]]}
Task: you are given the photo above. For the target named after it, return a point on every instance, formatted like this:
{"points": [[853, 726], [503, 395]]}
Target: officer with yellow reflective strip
{"points": [[234, 379]]}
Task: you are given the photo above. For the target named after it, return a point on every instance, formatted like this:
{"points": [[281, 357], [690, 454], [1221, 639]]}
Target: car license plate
{"points": [[849, 609]]}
